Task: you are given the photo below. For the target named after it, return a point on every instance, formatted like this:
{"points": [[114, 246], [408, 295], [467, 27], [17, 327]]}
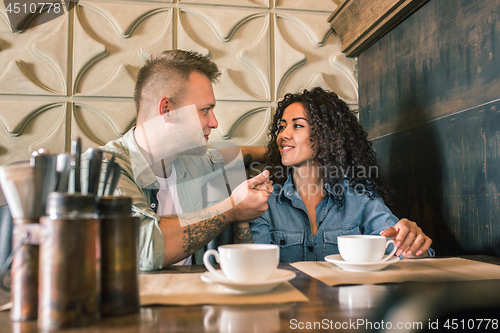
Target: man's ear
{"points": [[163, 107]]}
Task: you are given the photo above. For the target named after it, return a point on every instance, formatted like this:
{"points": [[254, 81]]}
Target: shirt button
{"points": [[153, 205], [310, 248], [282, 242]]}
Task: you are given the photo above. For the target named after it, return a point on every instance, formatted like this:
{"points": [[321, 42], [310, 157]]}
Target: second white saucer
{"points": [[281, 275], [337, 260]]}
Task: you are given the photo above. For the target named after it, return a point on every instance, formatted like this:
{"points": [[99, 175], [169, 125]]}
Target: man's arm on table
{"points": [[202, 226]]}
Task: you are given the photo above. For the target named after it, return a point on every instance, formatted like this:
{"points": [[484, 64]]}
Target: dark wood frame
{"points": [[360, 23]]}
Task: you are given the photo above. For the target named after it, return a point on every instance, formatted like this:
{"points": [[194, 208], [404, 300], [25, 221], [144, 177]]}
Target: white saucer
{"points": [[281, 275], [360, 266]]}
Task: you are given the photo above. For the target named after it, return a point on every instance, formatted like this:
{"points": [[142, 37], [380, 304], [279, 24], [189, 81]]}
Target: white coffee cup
{"points": [[244, 263], [364, 248]]}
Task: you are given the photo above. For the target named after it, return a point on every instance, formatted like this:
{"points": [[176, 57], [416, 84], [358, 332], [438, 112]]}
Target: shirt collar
{"points": [[329, 188], [143, 175], [288, 190]]}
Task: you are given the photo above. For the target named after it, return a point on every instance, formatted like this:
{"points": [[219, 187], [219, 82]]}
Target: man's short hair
{"points": [[172, 69]]}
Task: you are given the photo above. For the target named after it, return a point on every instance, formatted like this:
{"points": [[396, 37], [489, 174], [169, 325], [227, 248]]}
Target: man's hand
{"points": [[250, 198], [267, 186], [408, 238]]}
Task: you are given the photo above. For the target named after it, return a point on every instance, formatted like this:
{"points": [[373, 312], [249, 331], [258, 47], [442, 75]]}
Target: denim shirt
{"points": [[286, 222]]}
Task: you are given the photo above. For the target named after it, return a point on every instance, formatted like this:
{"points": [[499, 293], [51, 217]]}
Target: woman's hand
{"points": [[408, 238], [266, 186]]}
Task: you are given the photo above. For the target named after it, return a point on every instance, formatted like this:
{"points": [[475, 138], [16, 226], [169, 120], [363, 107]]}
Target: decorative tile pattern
{"points": [[238, 40], [113, 42], [98, 122], [34, 61], [316, 5], [307, 54], [242, 123], [30, 125], [242, 3]]}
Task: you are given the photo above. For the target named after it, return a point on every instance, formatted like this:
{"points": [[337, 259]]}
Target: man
{"points": [[165, 165]]}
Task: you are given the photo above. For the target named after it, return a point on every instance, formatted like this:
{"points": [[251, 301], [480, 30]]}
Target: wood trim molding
{"points": [[360, 23]]}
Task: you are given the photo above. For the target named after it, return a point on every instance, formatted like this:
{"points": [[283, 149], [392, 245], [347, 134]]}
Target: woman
{"points": [[326, 183]]}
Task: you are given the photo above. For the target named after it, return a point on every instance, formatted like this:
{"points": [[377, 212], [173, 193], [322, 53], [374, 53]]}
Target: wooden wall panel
{"points": [[429, 99], [446, 175], [360, 23], [441, 60]]}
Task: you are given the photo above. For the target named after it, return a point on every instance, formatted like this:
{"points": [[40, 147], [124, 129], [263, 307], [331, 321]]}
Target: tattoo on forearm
{"points": [[242, 235], [197, 235], [247, 159]]}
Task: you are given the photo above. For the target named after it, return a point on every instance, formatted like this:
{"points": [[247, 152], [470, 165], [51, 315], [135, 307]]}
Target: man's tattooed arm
{"points": [[197, 235], [185, 233], [242, 234]]}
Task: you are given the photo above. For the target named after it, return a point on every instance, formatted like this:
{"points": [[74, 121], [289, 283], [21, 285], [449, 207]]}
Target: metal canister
{"points": [[70, 265], [24, 273], [120, 256]]}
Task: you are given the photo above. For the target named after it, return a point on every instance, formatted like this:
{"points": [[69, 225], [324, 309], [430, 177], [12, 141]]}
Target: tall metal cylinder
{"points": [[120, 256], [70, 265]]}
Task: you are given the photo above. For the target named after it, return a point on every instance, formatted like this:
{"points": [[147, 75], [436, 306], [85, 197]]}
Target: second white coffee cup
{"points": [[244, 263], [364, 248]]}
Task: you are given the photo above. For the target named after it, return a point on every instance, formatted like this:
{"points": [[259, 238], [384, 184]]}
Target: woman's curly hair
{"points": [[344, 153]]}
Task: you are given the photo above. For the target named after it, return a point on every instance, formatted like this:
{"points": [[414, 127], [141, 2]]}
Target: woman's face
{"points": [[293, 137]]}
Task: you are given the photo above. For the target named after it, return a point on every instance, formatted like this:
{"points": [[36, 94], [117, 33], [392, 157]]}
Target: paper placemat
{"points": [[420, 270], [189, 289]]}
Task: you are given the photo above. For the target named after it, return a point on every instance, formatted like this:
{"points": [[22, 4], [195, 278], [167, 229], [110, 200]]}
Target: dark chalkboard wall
{"points": [[430, 100]]}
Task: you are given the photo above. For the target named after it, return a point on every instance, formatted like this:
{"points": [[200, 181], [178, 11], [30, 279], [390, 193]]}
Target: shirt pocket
{"points": [[291, 244], [330, 238]]}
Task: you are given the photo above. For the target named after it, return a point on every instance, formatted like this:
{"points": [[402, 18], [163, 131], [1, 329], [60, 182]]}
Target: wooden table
{"points": [[330, 307]]}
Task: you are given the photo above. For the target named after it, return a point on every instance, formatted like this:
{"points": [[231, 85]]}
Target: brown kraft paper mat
{"points": [[419, 270], [189, 289]]}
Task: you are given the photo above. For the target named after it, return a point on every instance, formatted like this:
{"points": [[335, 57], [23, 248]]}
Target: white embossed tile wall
{"points": [[308, 54], [34, 61], [242, 123], [74, 75], [98, 121], [244, 3], [316, 5], [237, 39], [30, 124], [112, 40]]}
